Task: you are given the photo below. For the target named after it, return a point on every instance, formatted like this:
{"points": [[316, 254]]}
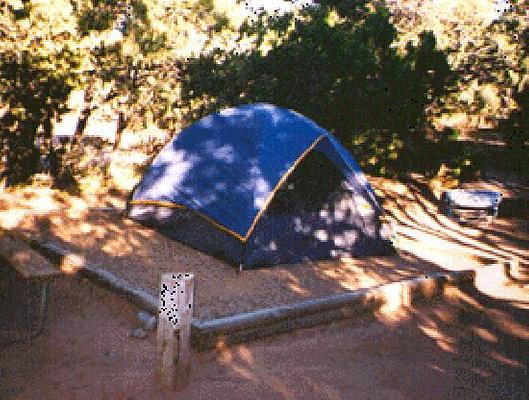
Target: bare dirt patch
{"points": [[470, 346], [426, 241], [474, 345]]}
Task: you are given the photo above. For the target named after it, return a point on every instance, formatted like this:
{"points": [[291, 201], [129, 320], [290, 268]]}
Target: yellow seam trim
{"points": [[176, 205], [167, 204], [279, 184], [259, 214]]}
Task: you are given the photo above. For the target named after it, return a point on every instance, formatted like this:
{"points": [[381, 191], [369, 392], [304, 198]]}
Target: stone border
{"points": [[257, 324]]}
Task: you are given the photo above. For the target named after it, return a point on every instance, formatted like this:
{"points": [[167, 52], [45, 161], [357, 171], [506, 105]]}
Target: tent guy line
{"points": [[169, 204]]}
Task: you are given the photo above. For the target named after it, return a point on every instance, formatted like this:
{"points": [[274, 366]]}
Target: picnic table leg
{"points": [[42, 310], [40, 317]]}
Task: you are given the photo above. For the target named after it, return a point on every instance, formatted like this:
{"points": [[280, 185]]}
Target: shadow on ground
{"points": [[468, 346], [426, 241]]}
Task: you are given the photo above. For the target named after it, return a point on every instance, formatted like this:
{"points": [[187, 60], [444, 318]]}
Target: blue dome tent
{"points": [[260, 185]]}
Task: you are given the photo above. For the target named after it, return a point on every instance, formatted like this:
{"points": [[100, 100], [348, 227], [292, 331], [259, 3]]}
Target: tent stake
{"points": [[243, 258]]}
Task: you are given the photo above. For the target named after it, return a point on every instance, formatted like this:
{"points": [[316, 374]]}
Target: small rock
{"points": [[137, 333], [147, 320]]}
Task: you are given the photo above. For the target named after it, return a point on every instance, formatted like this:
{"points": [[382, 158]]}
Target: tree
{"points": [[483, 42], [38, 62], [516, 127], [334, 63], [143, 66]]}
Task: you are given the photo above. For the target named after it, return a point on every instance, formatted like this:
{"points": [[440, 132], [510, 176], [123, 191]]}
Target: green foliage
{"points": [[37, 72], [140, 10], [34, 93], [203, 6], [516, 128], [484, 50], [221, 22], [373, 78], [449, 134], [345, 75], [378, 151], [95, 19]]}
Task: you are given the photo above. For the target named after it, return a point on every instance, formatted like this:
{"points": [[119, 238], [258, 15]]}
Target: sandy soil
{"points": [[470, 346], [475, 345], [426, 240]]}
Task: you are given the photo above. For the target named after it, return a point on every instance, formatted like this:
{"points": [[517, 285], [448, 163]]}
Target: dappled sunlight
{"points": [[484, 334], [85, 228], [469, 325], [69, 219], [507, 324], [506, 360], [445, 314], [356, 273], [244, 373], [391, 186], [479, 338], [19, 204], [441, 238], [11, 219], [77, 209], [242, 363], [518, 228], [92, 227], [139, 254], [454, 348], [245, 354], [352, 277], [437, 368], [444, 342], [491, 323], [113, 81], [438, 252], [481, 372], [118, 247], [423, 231], [455, 296], [492, 281], [297, 288], [395, 307], [72, 264]]}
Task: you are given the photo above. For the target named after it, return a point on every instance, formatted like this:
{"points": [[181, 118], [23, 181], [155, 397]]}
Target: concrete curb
{"points": [[271, 321]]}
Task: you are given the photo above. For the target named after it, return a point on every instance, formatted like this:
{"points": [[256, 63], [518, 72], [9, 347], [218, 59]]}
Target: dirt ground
{"points": [[426, 241], [469, 346], [473, 345]]}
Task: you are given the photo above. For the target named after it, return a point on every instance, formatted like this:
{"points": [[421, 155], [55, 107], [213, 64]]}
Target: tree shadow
{"points": [[468, 345], [139, 255], [421, 220]]}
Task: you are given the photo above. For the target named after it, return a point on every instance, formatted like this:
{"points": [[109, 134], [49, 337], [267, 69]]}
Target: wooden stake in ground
{"points": [[174, 329]]}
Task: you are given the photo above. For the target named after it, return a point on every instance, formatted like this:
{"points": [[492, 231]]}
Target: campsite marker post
{"points": [[174, 329]]}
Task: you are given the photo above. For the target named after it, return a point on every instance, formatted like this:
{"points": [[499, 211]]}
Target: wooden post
{"points": [[174, 329]]}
